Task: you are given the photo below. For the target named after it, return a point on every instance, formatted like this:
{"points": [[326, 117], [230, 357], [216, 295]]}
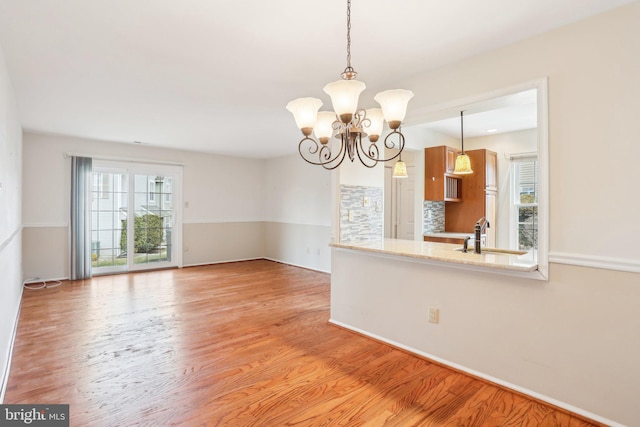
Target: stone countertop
{"points": [[450, 235], [442, 252]]}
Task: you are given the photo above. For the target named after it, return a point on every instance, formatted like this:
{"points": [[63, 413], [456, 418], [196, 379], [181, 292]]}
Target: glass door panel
{"points": [[153, 210], [133, 216], [109, 201]]}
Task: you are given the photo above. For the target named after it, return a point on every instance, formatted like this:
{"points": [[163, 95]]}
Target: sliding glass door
{"points": [[133, 217]]}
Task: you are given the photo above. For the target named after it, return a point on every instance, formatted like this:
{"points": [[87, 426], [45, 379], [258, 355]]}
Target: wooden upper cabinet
{"points": [[439, 183], [479, 196], [452, 153]]}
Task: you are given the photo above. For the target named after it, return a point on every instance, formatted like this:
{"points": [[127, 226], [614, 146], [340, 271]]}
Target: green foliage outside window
{"points": [[527, 223], [147, 233]]}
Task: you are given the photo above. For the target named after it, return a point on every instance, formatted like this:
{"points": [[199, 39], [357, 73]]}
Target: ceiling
{"points": [[504, 114], [215, 76]]}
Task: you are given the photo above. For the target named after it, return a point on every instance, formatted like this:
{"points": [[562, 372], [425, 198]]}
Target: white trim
{"points": [[236, 220], [479, 374], [123, 159], [40, 280], [595, 261], [298, 223], [543, 176], [219, 221], [46, 225], [255, 259], [7, 368]]}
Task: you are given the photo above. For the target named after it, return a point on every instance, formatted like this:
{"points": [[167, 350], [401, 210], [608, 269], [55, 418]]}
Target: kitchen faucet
{"points": [[481, 226]]}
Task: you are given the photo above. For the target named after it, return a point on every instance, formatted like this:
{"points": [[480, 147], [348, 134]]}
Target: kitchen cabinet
{"points": [[440, 183], [480, 197]]}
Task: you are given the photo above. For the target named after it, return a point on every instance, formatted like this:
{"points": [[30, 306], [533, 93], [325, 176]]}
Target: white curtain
{"points": [[80, 218]]}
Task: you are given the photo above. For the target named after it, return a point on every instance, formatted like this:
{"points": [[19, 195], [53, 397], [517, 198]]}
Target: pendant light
{"points": [[400, 169], [463, 163]]}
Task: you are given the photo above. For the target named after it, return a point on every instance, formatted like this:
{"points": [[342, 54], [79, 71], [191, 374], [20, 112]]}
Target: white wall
{"points": [[298, 212], [223, 194], [592, 70], [574, 339], [10, 218]]}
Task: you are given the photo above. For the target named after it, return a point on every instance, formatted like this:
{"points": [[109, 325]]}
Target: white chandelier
{"points": [[350, 124]]}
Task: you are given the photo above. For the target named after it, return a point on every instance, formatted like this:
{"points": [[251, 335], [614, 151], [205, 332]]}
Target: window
{"points": [[167, 191], [152, 190], [524, 217]]}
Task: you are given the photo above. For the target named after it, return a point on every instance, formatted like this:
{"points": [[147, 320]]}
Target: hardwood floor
{"points": [[239, 344]]}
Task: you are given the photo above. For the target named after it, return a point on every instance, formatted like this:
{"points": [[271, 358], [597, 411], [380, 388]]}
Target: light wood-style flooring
{"points": [[238, 344]]}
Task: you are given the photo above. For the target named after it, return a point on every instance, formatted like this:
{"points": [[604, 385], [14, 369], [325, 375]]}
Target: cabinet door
{"points": [[434, 159], [491, 172], [451, 159], [491, 200]]}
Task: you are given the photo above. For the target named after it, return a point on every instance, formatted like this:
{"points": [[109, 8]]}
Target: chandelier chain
{"points": [[348, 34]]}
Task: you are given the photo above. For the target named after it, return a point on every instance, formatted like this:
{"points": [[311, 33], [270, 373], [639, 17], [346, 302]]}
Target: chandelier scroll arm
{"points": [[372, 154], [317, 148]]}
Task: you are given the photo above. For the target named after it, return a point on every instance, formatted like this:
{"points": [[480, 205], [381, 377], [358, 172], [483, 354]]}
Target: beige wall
{"points": [[10, 219], [572, 340], [223, 220], [225, 241], [298, 213], [303, 245], [230, 207], [592, 69]]}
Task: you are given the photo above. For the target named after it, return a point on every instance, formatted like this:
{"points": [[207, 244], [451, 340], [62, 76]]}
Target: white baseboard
{"points": [[7, 368], [297, 265], [478, 374], [200, 264], [253, 259]]}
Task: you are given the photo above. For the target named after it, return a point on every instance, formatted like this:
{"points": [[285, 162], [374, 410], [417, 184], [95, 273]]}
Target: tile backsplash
{"points": [[361, 213], [433, 217]]}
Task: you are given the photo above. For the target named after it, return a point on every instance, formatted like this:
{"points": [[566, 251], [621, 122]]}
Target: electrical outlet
{"points": [[434, 315], [366, 202], [351, 215]]}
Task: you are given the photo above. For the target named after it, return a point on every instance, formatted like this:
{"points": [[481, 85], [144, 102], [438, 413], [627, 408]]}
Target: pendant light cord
{"points": [[462, 130]]}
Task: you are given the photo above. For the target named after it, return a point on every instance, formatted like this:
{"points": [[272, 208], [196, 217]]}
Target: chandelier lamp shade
{"points": [[463, 163], [348, 124]]}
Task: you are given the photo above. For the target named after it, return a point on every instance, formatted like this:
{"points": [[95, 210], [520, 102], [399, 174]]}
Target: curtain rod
{"points": [[124, 159]]}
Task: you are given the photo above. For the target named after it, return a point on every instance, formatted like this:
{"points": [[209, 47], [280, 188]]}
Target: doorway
{"points": [[134, 217], [399, 200]]}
